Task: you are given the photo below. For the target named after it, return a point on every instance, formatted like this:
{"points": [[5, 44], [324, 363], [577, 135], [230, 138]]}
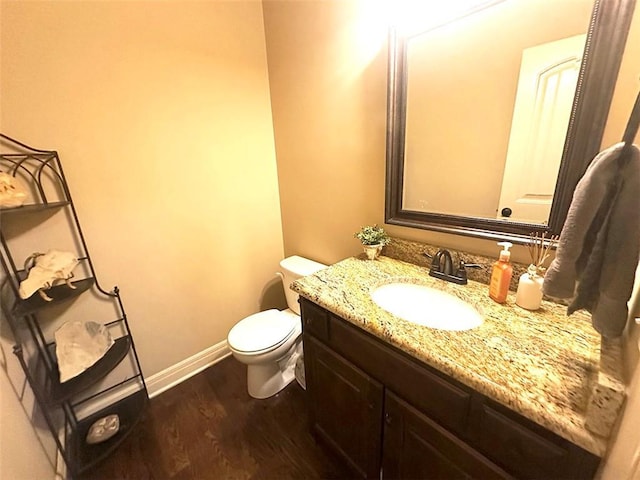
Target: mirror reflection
{"points": [[469, 144], [488, 102]]}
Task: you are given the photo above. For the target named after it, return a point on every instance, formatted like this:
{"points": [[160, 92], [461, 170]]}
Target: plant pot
{"points": [[372, 251]]}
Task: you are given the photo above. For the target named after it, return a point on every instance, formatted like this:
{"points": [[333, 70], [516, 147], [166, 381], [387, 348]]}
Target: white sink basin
{"points": [[426, 306]]}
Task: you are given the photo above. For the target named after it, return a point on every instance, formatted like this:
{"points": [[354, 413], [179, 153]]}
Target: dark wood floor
{"points": [[209, 428]]}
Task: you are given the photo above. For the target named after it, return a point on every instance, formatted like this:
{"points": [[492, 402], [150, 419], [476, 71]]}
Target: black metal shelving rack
{"points": [[62, 404]]}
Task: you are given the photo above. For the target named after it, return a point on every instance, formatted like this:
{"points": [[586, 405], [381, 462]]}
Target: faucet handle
{"points": [[469, 265], [462, 269], [463, 264]]}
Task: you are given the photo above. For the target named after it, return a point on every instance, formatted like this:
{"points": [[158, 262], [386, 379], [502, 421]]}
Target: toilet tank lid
{"points": [[301, 266]]}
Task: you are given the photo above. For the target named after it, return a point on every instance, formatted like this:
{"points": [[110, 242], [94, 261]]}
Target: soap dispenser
{"points": [[501, 274]]}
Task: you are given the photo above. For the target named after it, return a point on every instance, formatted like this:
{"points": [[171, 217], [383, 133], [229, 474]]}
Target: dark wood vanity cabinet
{"points": [[347, 409], [415, 446], [390, 416]]}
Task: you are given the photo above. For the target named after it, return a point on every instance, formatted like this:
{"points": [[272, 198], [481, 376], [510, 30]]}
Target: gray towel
{"points": [[600, 241]]}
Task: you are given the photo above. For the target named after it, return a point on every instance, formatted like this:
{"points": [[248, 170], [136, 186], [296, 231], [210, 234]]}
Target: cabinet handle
{"points": [[387, 418]]}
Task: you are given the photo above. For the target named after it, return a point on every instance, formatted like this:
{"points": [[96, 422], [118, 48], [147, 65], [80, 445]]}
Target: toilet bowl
{"points": [[269, 342]]}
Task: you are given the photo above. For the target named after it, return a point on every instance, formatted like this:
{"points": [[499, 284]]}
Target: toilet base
{"points": [[270, 371], [265, 380]]}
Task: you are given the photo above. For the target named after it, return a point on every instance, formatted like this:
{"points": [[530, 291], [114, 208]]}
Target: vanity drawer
{"points": [[526, 449], [315, 320]]}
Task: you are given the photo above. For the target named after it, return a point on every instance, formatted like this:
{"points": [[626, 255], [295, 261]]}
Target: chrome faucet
{"points": [[442, 267]]}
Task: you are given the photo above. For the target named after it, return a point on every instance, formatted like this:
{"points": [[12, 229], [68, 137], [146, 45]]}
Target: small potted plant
{"points": [[373, 238]]}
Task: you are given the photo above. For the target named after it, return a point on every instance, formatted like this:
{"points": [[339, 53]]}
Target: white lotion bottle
{"points": [[529, 294]]}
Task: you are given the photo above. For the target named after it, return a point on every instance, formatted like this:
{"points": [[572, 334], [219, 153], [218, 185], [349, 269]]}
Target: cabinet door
{"points": [[417, 447], [527, 449], [346, 408]]}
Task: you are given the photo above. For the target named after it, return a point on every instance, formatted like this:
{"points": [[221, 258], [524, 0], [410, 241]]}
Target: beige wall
{"points": [[27, 450], [162, 120], [328, 106], [16, 436], [161, 115]]}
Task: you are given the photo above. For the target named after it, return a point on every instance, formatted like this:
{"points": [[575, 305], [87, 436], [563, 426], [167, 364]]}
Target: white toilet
{"points": [[269, 342]]}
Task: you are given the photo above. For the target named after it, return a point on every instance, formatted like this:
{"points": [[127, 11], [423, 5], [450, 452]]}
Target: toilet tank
{"points": [[293, 268]]}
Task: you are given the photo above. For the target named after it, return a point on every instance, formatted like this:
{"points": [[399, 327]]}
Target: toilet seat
{"points": [[262, 331]]}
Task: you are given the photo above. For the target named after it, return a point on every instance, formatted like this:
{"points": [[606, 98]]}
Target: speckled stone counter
{"points": [[543, 365]]}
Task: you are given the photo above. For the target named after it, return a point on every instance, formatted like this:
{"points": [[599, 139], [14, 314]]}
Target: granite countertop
{"points": [[544, 365]]}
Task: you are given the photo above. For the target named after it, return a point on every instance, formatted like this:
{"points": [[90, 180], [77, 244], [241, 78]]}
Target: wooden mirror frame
{"points": [[604, 46]]}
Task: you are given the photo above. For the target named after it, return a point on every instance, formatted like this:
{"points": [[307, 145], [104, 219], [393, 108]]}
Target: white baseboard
{"points": [[161, 381], [172, 376]]}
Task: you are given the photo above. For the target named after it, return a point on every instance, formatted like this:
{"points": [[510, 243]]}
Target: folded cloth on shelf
{"points": [[600, 241]]}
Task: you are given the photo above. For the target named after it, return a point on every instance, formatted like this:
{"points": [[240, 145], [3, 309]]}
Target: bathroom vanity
{"points": [[508, 399]]}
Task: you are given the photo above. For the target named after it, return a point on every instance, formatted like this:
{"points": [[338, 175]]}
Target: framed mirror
{"points": [[493, 118]]}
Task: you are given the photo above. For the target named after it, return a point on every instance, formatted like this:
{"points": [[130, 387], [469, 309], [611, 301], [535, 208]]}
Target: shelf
{"points": [[108, 384], [59, 392], [34, 207], [59, 293], [85, 456]]}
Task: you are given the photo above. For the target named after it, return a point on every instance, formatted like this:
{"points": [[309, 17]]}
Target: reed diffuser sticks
{"points": [[539, 248]]}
